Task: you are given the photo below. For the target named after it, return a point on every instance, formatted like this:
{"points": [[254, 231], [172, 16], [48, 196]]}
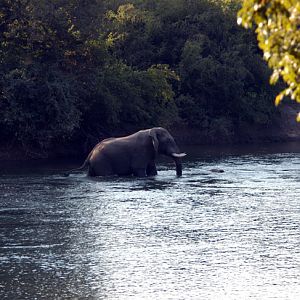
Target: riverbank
{"points": [[286, 130], [185, 141]]}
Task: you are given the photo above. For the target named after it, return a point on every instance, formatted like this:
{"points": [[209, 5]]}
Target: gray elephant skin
{"points": [[132, 155]]}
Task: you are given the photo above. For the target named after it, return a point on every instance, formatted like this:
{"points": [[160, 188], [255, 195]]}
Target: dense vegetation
{"points": [[74, 70]]}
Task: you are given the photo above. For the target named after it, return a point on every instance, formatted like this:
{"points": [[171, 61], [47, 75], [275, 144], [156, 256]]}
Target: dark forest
{"points": [[74, 72]]}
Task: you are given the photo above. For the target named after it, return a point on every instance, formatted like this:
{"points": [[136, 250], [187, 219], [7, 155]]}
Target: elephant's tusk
{"points": [[177, 155]]}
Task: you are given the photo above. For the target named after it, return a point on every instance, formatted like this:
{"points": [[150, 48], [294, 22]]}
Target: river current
{"points": [[205, 235]]}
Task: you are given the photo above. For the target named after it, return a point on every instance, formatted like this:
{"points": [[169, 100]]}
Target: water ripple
{"points": [[206, 235]]}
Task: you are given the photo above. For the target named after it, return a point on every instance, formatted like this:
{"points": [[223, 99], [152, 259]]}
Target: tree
{"points": [[41, 54], [278, 32], [223, 83], [78, 70], [59, 79]]}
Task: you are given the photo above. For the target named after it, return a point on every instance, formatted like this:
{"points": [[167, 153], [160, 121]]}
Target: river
{"points": [[206, 235]]}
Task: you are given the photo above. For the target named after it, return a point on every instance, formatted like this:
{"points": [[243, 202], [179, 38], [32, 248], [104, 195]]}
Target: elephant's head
{"points": [[164, 143]]}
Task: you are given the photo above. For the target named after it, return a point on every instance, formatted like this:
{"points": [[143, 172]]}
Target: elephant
{"points": [[132, 155]]}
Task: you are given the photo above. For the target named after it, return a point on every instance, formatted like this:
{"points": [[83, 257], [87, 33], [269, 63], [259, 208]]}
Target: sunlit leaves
{"points": [[277, 25]]}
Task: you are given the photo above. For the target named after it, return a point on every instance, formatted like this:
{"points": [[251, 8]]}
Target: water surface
{"points": [[231, 235]]}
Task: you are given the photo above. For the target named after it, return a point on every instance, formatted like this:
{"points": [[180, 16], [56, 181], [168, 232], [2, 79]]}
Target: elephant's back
{"points": [[114, 154]]}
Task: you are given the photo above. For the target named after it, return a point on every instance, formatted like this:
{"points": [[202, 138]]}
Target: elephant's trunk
{"points": [[178, 166], [177, 159]]}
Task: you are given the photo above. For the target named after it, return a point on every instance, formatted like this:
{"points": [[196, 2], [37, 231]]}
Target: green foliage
{"points": [[37, 106], [220, 70], [58, 76], [38, 98], [126, 97], [277, 27], [71, 69]]}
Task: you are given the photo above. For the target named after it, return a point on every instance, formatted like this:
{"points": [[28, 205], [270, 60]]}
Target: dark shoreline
{"points": [[19, 155], [287, 130]]}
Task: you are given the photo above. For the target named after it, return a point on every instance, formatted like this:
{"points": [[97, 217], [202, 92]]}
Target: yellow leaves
{"points": [[295, 14], [239, 21], [278, 98], [114, 37], [274, 77], [245, 15], [72, 30], [127, 13], [267, 55], [298, 117], [277, 28]]}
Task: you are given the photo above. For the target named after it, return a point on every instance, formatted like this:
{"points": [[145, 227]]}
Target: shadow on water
{"points": [[205, 235]]}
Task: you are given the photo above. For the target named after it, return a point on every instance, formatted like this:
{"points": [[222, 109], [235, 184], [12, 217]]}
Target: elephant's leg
{"points": [[139, 172], [91, 172], [100, 166], [151, 169]]}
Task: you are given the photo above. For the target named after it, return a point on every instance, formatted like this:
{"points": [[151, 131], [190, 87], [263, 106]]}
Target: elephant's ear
{"points": [[153, 135]]}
